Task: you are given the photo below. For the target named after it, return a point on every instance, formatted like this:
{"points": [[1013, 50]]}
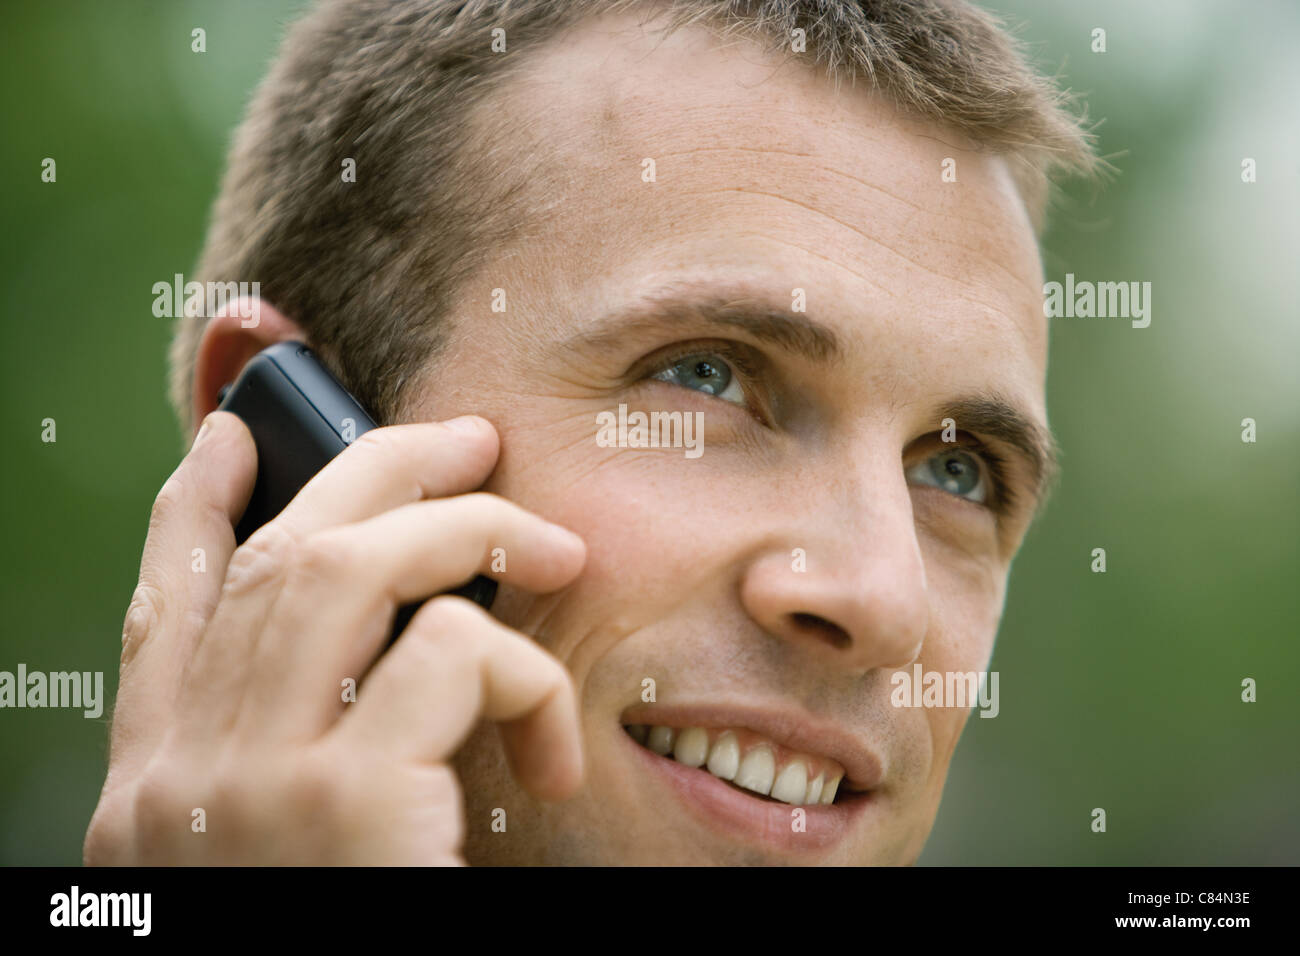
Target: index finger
{"points": [[393, 466], [190, 540]]}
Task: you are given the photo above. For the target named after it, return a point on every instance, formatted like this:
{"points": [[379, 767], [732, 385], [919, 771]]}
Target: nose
{"points": [[848, 586]]}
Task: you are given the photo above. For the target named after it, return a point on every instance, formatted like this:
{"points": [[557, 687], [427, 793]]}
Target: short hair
{"points": [[367, 267]]}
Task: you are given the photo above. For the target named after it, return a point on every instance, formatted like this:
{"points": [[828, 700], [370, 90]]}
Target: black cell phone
{"points": [[301, 417]]}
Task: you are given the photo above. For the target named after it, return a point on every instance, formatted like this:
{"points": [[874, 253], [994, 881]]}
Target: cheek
{"points": [[646, 523], [966, 579], [656, 530], [965, 610], [653, 519]]}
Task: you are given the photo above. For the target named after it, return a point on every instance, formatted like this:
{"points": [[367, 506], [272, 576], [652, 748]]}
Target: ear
{"points": [[239, 331]]}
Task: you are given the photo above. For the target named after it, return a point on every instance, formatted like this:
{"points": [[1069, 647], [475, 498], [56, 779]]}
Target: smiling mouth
{"points": [[750, 763]]}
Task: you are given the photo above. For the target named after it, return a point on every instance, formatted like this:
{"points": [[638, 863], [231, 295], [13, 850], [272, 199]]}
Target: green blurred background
{"points": [[1118, 690]]}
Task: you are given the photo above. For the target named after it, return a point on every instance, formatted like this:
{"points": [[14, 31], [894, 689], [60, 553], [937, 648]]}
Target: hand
{"points": [[231, 696]]}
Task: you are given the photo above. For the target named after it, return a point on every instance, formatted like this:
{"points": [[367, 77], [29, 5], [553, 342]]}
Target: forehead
{"points": [[683, 160]]}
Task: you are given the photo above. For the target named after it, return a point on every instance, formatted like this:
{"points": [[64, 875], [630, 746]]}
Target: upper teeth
{"points": [[798, 779]]}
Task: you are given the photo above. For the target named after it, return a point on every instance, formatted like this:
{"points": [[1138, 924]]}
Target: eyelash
{"points": [[742, 363], [1003, 498]]}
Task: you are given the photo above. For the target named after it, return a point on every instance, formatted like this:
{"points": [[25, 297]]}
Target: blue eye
{"points": [[704, 372], [955, 471]]}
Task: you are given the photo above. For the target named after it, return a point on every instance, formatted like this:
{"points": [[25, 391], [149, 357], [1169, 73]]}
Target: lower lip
{"points": [[751, 820]]}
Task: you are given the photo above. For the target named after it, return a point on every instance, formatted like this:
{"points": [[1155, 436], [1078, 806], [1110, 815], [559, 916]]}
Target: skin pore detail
{"points": [[922, 300]]}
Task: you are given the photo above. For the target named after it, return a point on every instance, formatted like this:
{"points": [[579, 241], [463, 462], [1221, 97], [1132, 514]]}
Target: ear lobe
{"points": [[237, 332]]}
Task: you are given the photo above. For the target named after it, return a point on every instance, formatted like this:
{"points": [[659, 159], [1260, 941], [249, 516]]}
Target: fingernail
{"points": [[204, 431], [466, 424]]}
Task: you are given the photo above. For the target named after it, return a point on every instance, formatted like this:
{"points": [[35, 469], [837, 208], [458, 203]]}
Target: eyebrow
{"points": [[790, 331], [991, 415]]}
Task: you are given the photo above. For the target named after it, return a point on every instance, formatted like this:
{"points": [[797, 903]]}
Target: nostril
{"points": [[814, 626]]}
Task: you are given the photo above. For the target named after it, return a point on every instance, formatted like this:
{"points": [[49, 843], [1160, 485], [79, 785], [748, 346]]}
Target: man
{"points": [[809, 228]]}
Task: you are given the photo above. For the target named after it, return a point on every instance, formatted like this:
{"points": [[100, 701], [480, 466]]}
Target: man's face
{"points": [[827, 536]]}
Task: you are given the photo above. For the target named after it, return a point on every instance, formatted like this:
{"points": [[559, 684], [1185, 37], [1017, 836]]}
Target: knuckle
{"points": [[546, 670], [235, 792], [142, 617], [169, 500], [382, 442], [556, 674], [447, 614], [485, 501], [160, 811], [315, 786], [106, 841], [442, 788], [262, 558], [329, 556], [485, 508]]}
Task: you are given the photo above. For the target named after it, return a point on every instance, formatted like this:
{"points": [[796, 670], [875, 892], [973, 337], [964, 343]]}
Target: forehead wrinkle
{"points": [[730, 149], [833, 171], [871, 239], [947, 216], [885, 290]]}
